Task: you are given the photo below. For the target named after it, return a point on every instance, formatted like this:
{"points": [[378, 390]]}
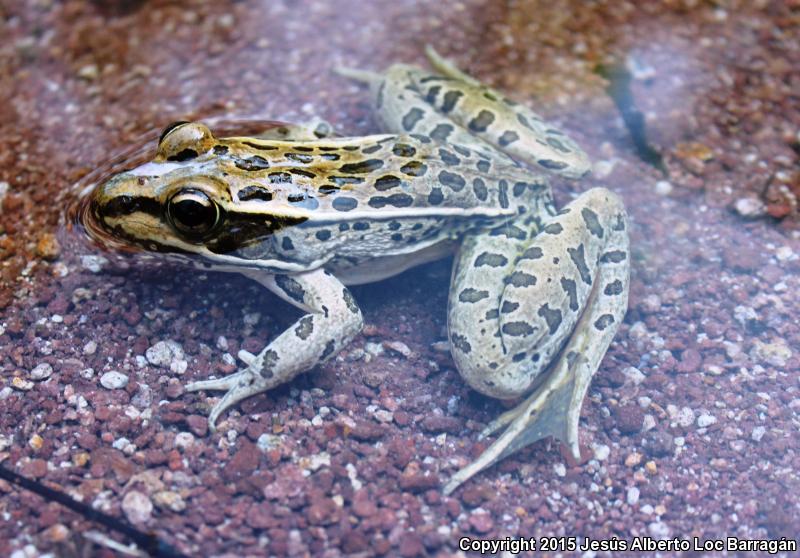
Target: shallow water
{"points": [[689, 428]]}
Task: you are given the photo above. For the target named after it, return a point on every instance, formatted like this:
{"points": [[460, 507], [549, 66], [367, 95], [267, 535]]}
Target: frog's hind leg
{"points": [[538, 310]]}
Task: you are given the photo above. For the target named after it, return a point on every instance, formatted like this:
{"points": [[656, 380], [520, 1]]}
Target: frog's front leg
{"points": [[536, 308], [333, 318]]}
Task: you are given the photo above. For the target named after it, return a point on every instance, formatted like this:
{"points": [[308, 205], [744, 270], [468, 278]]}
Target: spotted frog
{"points": [[536, 295]]}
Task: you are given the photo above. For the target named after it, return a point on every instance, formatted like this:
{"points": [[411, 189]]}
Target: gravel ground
{"points": [[690, 427]]}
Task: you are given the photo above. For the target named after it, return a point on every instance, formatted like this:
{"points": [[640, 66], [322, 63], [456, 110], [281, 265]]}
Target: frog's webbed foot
{"points": [[552, 410], [448, 68], [539, 312], [333, 319]]}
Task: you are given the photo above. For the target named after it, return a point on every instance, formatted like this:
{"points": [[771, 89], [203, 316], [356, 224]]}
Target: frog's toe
{"points": [[237, 387], [552, 410], [363, 76]]}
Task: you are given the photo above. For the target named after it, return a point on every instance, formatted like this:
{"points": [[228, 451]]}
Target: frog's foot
{"points": [[537, 312], [362, 76], [552, 410], [238, 386], [448, 68], [333, 319]]}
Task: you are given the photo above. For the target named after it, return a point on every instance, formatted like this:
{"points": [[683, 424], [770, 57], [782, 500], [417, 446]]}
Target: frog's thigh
{"points": [[516, 303], [333, 319]]}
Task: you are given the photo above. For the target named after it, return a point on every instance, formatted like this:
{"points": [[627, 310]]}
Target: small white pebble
{"points": [[632, 497], [184, 440], [663, 188], [41, 372], [706, 420], [601, 452], [398, 347], [317, 421], [758, 433], [94, 264], [90, 348], [137, 507], [560, 469], [268, 442], [635, 375], [784, 253], [384, 416], [57, 318], [749, 207], [113, 380], [222, 343]]}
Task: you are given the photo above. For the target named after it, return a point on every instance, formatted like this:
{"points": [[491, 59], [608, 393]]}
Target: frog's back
{"points": [[380, 177]]}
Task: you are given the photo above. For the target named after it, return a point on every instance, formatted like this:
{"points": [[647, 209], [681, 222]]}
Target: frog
{"points": [[460, 170]]}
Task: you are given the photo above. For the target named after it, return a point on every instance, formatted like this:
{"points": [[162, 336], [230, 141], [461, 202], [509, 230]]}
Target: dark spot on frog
{"points": [[435, 197], [508, 137], [479, 187], [291, 287], [386, 183], [371, 148], [403, 150], [301, 172], [344, 203], [552, 165], [286, 243], [396, 200], [448, 158], [454, 181], [366, 166], [260, 147], [323, 234], [328, 351], [303, 200], [360, 226], [280, 177], [450, 100], [411, 118], [441, 132], [414, 168], [430, 97], [481, 122], [251, 164], [254, 193]]}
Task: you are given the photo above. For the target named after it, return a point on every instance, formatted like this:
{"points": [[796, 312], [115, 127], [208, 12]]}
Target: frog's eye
{"points": [[181, 141], [192, 213]]}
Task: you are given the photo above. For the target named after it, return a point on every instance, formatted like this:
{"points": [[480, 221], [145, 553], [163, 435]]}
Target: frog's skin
{"points": [[536, 295]]}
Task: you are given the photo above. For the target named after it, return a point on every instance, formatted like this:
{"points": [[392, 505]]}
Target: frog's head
{"points": [[187, 200]]}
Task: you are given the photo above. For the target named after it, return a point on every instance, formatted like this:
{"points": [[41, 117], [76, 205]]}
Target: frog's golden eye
{"points": [[192, 213], [181, 141]]}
